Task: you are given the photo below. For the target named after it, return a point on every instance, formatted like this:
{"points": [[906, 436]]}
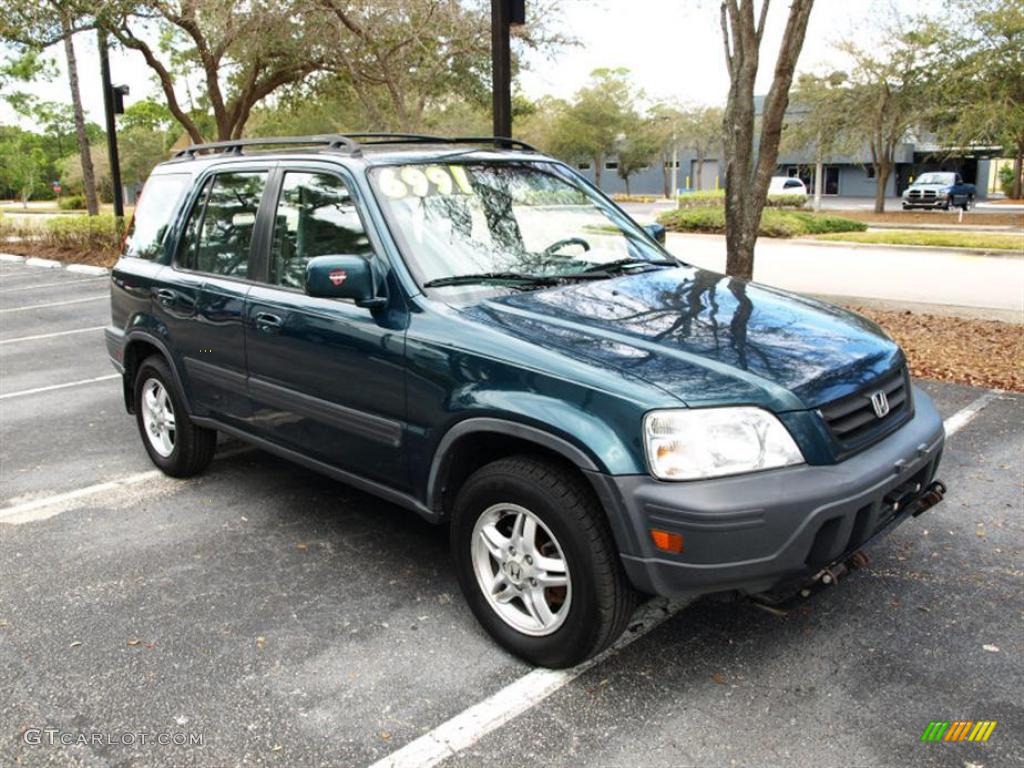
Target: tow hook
{"points": [[932, 496]]}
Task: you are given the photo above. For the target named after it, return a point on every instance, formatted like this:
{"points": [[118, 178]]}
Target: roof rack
{"points": [[348, 142], [234, 146]]}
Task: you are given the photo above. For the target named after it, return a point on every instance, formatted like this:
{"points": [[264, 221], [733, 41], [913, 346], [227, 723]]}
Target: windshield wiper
{"points": [[622, 264], [487, 277]]}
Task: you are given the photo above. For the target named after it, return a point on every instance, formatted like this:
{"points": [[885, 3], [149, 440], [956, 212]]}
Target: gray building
{"points": [[848, 176]]}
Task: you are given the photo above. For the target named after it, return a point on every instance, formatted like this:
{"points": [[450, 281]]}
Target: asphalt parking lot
{"points": [[291, 621]]}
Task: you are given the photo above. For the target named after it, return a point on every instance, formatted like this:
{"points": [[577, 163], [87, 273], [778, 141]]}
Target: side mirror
{"points": [[343, 277], [657, 231]]}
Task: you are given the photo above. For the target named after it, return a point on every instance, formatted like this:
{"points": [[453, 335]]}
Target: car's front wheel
{"points": [[176, 445], [968, 202], [537, 563]]}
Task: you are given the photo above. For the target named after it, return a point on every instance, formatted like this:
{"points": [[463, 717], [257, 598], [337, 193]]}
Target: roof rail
{"points": [[234, 146], [350, 142]]}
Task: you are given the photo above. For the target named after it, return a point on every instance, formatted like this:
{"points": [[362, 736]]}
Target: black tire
{"points": [[602, 599], [949, 203], [968, 202], [194, 446]]}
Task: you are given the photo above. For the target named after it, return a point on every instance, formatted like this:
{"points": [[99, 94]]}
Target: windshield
{"points": [[935, 178], [505, 221]]}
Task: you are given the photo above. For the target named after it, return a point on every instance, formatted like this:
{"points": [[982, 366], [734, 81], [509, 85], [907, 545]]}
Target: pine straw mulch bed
{"points": [[980, 353], [946, 218], [95, 258]]}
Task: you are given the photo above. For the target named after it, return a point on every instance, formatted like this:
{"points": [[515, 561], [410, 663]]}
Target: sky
{"points": [[673, 48]]}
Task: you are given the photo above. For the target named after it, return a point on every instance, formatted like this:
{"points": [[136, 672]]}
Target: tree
{"points": [[636, 150], [243, 52], [37, 25], [816, 122], [701, 131], [22, 163], [746, 181], [402, 56], [888, 94], [665, 125], [590, 127], [981, 96]]}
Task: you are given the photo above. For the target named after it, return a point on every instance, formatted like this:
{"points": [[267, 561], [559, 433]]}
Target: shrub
{"points": [[774, 222], [786, 201], [621, 198], [1006, 179], [702, 198], [84, 234], [71, 203]]}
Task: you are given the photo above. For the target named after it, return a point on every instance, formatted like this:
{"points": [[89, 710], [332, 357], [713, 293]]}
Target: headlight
{"points": [[709, 442]]}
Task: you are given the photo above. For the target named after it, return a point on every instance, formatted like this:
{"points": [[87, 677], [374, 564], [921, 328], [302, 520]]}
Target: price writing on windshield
{"points": [[421, 181]]}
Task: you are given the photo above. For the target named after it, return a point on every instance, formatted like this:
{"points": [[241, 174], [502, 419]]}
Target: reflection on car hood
{"points": [[929, 186], [703, 337]]}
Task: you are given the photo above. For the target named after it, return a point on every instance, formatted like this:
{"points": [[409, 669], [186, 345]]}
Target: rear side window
{"points": [[792, 184], [316, 216], [220, 227], [153, 214]]}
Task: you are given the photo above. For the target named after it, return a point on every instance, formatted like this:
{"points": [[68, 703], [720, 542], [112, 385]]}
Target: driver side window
{"points": [[220, 229]]}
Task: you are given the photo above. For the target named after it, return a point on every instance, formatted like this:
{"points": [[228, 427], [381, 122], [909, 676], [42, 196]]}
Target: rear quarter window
{"points": [[153, 215]]}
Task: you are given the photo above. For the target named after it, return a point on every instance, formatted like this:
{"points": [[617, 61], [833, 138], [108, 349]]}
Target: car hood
{"points": [[702, 337], [934, 187]]}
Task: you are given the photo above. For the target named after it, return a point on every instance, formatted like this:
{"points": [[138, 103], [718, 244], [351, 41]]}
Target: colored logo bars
{"points": [[959, 730]]}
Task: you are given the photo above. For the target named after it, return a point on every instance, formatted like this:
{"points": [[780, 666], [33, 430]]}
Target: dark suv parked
{"points": [[469, 329]]}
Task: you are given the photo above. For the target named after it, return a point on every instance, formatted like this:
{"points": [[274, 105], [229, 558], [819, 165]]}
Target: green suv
{"points": [[469, 329]]}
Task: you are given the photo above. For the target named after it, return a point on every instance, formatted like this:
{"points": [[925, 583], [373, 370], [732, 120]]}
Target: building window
{"points": [[668, 163], [611, 165], [584, 166], [870, 171]]}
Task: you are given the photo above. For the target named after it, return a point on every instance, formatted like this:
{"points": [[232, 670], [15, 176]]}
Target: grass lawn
{"points": [[985, 240]]}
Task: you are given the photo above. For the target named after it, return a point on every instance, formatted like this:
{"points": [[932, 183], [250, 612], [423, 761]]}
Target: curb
{"points": [[33, 261], [1001, 253]]}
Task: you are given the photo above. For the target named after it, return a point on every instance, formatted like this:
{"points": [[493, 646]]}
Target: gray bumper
{"points": [[753, 532]]}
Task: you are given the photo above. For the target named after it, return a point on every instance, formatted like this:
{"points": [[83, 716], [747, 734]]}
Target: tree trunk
{"points": [[698, 182], [1018, 167], [598, 162], [626, 182], [746, 184], [88, 175], [883, 169], [665, 178]]}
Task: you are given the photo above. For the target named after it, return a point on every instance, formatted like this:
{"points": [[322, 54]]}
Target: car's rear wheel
{"points": [[537, 563], [173, 442]]}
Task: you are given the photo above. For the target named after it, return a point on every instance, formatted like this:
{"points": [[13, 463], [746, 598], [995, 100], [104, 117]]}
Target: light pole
{"points": [[113, 101], [504, 15]]}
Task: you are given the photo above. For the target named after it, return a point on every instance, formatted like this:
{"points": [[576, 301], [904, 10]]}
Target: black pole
{"points": [[108, 108], [501, 75]]}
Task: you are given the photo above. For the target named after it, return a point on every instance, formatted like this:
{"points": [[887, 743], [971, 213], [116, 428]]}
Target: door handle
{"points": [[166, 296], [268, 323]]}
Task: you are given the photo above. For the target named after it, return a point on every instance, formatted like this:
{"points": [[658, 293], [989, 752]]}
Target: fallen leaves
{"points": [[261, 643], [135, 642], [980, 353]]}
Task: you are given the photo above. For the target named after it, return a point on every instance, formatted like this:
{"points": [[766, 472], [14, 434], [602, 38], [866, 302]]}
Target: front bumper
{"points": [[753, 532], [939, 202]]}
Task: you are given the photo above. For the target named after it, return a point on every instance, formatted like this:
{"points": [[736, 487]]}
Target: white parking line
{"points": [[104, 297], [50, 506], [965, 416], [39, 336], [469, 726], [40, 509], [50, 285], [52, 387]]}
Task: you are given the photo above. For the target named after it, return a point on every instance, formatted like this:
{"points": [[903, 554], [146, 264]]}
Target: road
{"points": [[929, 276], [291, 621]]}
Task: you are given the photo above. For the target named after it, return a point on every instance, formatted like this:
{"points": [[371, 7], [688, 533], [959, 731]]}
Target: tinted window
{"points": [[316, 216], [153, 215], [792, 184], [220, 229]]}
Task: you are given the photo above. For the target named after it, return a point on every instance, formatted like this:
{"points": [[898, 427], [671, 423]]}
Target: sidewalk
{"points": [[903, 276]]}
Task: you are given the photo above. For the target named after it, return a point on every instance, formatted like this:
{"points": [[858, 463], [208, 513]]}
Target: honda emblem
{"points": [[880, 402]]}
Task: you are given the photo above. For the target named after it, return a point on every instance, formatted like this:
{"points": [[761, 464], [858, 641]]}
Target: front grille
{"points": [[917, 194], [852, 419]]}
